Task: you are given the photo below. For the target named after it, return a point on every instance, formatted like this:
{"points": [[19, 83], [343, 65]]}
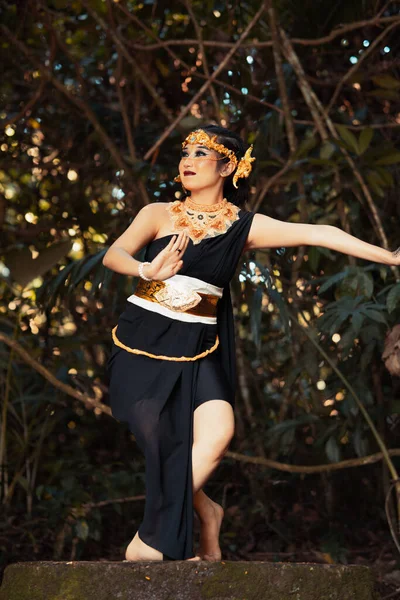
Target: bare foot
{"points": [[210, 524], [138, 550]]}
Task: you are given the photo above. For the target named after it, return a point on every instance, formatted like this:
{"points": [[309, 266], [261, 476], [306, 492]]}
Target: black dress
{"points": [[157, 397]]}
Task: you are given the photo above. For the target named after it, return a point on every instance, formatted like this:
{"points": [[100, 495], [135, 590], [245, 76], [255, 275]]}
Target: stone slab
{"points": [[183, 580]]}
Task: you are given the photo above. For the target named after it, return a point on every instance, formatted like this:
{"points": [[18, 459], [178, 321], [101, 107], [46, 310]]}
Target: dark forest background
{"points": [[95, 99]]}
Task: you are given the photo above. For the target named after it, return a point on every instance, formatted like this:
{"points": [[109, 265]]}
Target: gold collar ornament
{"points": [[243, 168], [200, 221]]}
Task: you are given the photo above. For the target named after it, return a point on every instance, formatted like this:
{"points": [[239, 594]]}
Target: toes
{"points": [[212, 557]]}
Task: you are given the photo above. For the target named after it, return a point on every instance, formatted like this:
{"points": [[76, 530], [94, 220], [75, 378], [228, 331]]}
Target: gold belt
{"points": [[193, 303]]}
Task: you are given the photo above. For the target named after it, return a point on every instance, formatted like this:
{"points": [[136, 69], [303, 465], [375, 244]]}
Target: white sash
{"points": [[187, 285]]}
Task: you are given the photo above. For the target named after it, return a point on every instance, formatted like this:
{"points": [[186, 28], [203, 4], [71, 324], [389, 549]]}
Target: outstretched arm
{"points": [[266, 232]]}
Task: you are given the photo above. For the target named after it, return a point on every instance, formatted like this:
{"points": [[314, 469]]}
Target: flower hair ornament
{"points": [[243, 167]]}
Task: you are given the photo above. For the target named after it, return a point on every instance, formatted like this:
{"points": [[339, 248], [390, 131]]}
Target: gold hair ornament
{"points": [[243, 168]]}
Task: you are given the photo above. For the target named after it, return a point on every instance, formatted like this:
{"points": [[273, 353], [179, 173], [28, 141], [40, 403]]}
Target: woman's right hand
{"points": [[168, 261]]}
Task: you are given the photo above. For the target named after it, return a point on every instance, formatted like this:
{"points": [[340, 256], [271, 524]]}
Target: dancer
{"points": [[172, 368]]}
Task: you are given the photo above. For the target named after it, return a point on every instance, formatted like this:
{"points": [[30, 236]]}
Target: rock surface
{"points": [[182, 580]]}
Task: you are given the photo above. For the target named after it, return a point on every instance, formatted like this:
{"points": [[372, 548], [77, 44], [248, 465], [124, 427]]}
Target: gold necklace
{"points": [[200, 221]]}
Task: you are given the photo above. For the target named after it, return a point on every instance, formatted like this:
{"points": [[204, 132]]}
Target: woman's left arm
{"points": [[266, 232]]}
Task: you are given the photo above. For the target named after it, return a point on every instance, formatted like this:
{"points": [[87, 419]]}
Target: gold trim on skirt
{"points": [[117, 342]]}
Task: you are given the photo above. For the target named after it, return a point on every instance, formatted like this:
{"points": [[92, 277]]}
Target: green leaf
{"points": [[314, 257], [332, 450], [349, 137], [163, 68], [357, 321], [358, 283], [290, 423], [386, 81], [386, 94], [322, 162], [305, 146], [276, 298], [394, 407], [24, 268], [332, 280], [393, 298], [385, 176], [360, 443], [326, 151], [374, 180], [269, 163], [87, 265], [48, 290], [82, 530], [375, 315], [365, 139], [390, 159], [23, 482]]}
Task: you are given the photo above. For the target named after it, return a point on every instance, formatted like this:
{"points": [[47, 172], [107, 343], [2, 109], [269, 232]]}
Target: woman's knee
{"points": [[214, 426]]}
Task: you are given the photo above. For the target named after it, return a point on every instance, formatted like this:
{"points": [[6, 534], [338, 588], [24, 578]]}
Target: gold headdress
{"points": [[244, 167], [202, 138]]}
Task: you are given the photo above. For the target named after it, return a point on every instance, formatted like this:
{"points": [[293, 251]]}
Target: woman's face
{"points": [[199, 167]]}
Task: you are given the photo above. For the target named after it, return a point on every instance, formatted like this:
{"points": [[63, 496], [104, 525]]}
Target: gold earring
{"points": [[178, 180]]}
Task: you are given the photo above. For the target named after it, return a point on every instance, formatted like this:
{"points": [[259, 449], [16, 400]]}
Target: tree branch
{"points": [[28, 106], [63, 387], [319, 111], [258, 460], [280, 76], [344, 464], [271, 181], [128, 129], [363, 56], [205, 87], [338, 31], [197, 27], [137, 69], [79, 103], [305, 88], [227, 86]]}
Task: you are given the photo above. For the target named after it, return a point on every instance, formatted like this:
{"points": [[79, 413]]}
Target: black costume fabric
{"points": [[157, 397]]}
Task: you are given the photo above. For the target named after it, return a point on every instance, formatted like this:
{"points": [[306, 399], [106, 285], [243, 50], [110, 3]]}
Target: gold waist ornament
{"points": [[193, 303]]}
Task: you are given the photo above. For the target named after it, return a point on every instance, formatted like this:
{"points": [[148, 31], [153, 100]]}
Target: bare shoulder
{"points": [[155, 208], [143, 229], [157, 213], [164, 222]]}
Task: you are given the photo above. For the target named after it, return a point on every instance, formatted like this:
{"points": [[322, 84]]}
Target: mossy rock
{"points": [[183, 580]]}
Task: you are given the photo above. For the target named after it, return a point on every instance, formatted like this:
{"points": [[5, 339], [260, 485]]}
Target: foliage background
{"points": [[96, 96]]}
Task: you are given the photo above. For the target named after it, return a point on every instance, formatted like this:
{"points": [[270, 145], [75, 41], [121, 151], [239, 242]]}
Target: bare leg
{"points": [[213, 431]]}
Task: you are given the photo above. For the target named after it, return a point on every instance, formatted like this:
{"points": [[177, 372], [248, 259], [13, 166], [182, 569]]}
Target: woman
{"points": [[172, 367]]}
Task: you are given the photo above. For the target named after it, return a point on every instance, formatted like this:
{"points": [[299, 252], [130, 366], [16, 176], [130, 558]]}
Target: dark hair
{"points": [[234, 142]]}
